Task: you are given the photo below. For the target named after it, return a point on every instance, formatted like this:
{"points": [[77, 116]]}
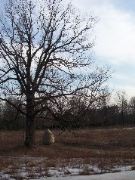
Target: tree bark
{"points": [[30, 123], [29, 134]]}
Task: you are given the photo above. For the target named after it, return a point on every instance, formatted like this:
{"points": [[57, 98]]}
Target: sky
{"points": [[114, 35], [114, 39]]}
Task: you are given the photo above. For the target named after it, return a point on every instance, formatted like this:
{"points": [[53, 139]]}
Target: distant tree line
{"points": [[74, 112]]}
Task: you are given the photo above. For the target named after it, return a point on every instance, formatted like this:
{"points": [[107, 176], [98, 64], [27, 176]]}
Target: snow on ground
{"points": [[36, 168], [128, 175], [71, 174]]}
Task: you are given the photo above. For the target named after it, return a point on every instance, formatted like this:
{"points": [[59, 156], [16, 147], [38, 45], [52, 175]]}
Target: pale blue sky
{"points": [[115, 39]]}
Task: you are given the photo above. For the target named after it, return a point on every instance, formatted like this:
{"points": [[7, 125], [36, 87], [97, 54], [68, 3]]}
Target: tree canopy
{"points": [[45, 55]]}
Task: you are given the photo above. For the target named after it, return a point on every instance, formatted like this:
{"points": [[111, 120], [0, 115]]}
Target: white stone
{"points": [[48, 137]]}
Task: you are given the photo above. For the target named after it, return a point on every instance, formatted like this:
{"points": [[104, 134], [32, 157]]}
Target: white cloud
{"points": [[116, 36], [115, 31], [115, 40]]}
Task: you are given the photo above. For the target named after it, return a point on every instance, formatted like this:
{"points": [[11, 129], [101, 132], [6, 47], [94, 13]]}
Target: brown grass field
{"points": [[104, 147], [87, 143]]}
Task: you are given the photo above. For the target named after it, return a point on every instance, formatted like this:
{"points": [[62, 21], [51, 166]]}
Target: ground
{"points": [[78, 152], [110, 176]]}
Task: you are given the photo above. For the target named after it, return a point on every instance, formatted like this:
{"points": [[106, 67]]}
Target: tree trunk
{"points": [[30, 123], [29, 134]]}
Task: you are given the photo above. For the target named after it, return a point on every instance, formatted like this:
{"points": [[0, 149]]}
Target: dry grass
{"points": [[103, 148], [103, 144]]}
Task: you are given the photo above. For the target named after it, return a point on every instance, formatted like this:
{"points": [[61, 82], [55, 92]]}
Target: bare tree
{"points": [[123, 105], [44, 53], [132, 105]]}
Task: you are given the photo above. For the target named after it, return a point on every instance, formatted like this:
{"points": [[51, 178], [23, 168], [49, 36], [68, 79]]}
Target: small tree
{"points": [[11, 118], [123, 105], [132, 105], [131, 109], [42, 47]]}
